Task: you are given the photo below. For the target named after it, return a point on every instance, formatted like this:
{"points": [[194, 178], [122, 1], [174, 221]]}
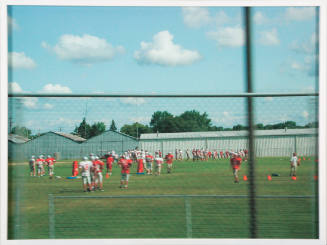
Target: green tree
{"points": [[113, 126], [22, 131], [163, 122], [312, 125], [135, 129], [193, 121], [259, 126], [239, 127], [83, 130], [97, 129]]}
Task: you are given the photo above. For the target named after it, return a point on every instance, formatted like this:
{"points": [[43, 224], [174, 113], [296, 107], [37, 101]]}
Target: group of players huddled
{"points": [[38, 165], [91, 168]]}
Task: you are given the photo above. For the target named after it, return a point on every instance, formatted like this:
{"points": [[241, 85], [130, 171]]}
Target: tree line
{"points": [[165, 122]]}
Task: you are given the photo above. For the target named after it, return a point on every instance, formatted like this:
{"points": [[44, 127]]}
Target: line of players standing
{"points": [[205, 154]]}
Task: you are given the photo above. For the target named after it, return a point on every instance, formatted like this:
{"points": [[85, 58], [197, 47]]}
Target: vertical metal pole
{"points": [[316, 187], [251, 169], [188, 214], [52, 234]]}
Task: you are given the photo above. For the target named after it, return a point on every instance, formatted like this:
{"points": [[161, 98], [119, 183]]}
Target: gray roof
{"points": [[70, 136], [212, 134], [17, 138]]}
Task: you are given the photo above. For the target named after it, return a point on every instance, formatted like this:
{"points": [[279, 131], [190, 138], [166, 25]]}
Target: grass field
{"points": [[167, 217]]}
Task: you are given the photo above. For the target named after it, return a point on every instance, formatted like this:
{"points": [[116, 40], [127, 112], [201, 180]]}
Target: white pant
{"points": [[86, 180], [98, 177]]}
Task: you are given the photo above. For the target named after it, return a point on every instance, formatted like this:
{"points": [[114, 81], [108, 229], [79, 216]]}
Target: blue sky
{"points": [[157, 50]]}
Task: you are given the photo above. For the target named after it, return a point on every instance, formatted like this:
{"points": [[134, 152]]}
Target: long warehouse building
{"points": [[268, 143]]}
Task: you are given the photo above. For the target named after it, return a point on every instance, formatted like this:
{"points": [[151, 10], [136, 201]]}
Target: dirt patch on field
{"points": [[23, 163]]}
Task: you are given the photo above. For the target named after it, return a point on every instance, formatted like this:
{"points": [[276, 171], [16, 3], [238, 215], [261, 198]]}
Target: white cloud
{"points": [[133, 101], [12, 23], [268, 98], [308, 49], [228, 118], [305, 114], [47, 106], [228, 36], [269, 38], [64, 122], [84, 49], [20, 60], [14, 88], [196, 17], [259, 18], [55, 88], [30, 102], [163, 51], [297, 66], [221, 18], [299, 13], [305, 47]]}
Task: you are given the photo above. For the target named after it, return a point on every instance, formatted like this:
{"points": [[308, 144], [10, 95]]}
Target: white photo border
{"points": [[4, 117]]}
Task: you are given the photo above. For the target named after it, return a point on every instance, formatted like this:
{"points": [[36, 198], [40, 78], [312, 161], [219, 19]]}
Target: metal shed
{"points": [[14, 145], [69, 146], [108, 141], [278, 142], [62, 145]]}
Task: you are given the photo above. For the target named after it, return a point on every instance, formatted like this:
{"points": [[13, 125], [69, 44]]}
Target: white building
{"points": [[277, 142]]}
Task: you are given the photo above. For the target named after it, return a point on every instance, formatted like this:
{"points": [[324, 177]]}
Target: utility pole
{"points": [[10, 124]]}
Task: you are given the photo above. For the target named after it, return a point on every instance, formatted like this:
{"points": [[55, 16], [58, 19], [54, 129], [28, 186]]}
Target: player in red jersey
{"points": [[221, 154], [235, 163], [98, 166], [149, 161], [75, 168], [125, 165], [246, 152], [50, 162], [39, 163], [169, 160], [159, 161], [110, 161]]}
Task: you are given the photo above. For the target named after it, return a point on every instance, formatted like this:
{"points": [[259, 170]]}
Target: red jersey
{"points": [[125, 164], [75, 164], [149, 158], [39, 161], [98, 166], [169, 158], [50, 161], [110, 160], [236, 162]]}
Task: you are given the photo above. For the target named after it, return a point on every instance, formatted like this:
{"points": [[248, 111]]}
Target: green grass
{"points": [[165, 217]]}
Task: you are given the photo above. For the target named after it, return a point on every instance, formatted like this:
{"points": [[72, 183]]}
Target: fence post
{"points": [[188, 214], [251, 161], [51, 217]]}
